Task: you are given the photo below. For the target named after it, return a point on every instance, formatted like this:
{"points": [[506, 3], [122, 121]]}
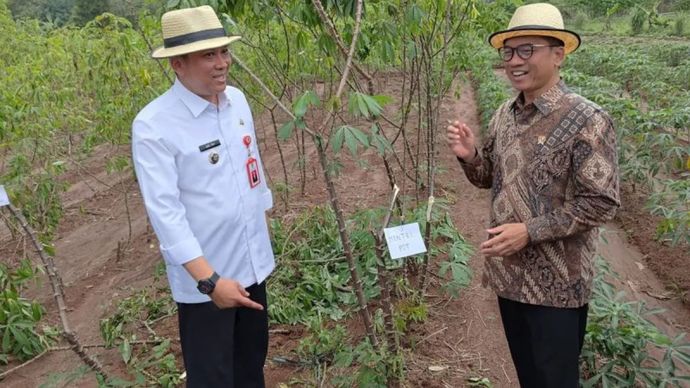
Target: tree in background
{"points": [[605, 7], [57, 12], [132, 9], [674, 5], [85, 10], [62, 12]]}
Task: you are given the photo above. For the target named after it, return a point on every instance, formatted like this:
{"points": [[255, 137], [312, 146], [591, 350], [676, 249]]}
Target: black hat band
{"points": [[194, 37], [535, 27]]}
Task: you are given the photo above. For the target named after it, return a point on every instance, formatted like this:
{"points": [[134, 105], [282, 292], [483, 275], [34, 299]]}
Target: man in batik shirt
{"points": [[550, 160]]}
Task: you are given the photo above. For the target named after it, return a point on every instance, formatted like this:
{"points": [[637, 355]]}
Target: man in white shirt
{"points": [[198, 166]]}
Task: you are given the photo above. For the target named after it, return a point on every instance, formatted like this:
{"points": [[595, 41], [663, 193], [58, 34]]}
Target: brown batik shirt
{"points": [[551, 164]]}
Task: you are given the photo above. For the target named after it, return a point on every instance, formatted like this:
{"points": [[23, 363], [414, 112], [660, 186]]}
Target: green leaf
{"points": [[353, 137], [377, 140], [6, 341], [414, 17], [355, 106], [19, 336], [387, 51], [326, 43], [363, 105], [300, 124], [49, 249], [285, 130], [343, 359], [375, 109], [303, 102], [474, 12], [360, 136], [172, 4], [126, 351], [411, 49], [118, 382], [351, 142], [382, 99], [660, 339], [337, 139]]}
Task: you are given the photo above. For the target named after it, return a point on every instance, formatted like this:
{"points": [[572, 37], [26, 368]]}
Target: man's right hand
{"points": [[461, 140], [229, 293]]}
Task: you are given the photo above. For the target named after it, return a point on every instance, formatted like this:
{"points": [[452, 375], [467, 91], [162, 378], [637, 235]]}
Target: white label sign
{"points": [[4, 200], [404, 240]]}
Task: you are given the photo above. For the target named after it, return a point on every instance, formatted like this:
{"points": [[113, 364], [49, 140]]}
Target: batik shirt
{"points": [[551, 164]]}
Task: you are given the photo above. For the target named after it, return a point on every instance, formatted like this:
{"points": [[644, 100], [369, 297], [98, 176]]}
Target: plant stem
{"points": [[384, 280], [345, 240], [286, 195], [58, 294]]}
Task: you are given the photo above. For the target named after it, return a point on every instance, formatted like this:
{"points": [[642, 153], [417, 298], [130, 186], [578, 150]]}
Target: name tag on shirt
{"points": [[209, 145]]}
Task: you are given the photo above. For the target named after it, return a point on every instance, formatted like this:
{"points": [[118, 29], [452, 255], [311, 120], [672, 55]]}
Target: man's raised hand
{"points": [[461, 140]]}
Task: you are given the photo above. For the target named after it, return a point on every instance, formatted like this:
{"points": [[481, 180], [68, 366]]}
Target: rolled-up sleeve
{"points": [[154, 164], [595, 199]]}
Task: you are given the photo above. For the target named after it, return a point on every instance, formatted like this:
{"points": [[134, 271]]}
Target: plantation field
{"points": [[461, 337], [341, 114]]}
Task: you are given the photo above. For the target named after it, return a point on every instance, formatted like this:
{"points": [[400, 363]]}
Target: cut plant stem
{"points": [[58, 293]]}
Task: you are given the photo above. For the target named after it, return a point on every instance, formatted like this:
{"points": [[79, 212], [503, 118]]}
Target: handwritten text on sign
{"points": [[4, 201], [404, 240]]}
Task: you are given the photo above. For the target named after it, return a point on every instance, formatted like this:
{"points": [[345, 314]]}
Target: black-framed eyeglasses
{"points": [[524, 51]]}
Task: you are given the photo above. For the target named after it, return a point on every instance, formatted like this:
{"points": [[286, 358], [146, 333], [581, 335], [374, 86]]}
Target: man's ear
{"points": [[560, 55], [177, 64]]}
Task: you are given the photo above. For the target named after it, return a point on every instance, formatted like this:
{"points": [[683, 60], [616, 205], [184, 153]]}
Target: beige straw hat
{"points": [[537, 19], [191, 29]]}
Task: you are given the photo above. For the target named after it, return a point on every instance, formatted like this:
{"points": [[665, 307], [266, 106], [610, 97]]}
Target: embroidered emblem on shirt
{"points": [[213, 157], [209, 145]]}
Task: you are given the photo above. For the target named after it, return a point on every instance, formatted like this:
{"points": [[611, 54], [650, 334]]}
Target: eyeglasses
{"points": [[524, 51]]}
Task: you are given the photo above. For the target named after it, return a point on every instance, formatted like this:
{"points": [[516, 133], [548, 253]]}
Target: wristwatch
{"points": [[206, 286]]}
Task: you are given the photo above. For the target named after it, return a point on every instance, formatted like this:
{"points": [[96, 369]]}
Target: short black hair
{"points": [[554, 41]]}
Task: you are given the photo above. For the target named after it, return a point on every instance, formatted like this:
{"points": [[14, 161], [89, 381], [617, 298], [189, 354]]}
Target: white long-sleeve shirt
{"points": [[198, 207]]}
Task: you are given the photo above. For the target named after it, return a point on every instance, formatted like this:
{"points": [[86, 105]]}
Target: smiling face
{"points": [[538, 73], [204, 72]]}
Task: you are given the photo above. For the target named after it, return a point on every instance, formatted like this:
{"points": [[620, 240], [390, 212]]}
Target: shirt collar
{"points": [[194, 103], [545, 103]]}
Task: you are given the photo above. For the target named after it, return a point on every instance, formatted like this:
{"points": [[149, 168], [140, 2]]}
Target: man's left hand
{"points": [[507, 240]]}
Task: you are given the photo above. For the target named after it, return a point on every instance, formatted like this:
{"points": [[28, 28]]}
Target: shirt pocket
{"points": [[201, 169]]}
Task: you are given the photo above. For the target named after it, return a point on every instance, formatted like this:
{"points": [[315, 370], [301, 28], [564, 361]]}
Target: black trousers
{"points": [[225, 348], [545, 343]]}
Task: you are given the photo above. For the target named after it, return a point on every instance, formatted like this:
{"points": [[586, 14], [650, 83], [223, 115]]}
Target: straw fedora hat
{"points": [[191, 29], [537, 19]]}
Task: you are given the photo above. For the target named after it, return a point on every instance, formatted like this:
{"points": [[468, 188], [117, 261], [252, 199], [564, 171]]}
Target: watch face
{"points": [[205, 287]]}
